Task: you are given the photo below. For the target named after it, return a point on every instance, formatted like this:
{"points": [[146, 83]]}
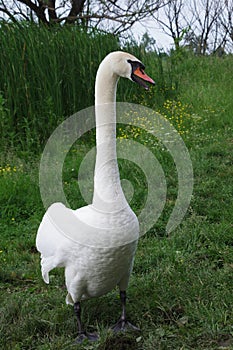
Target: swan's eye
{"points": [[136, 64]]}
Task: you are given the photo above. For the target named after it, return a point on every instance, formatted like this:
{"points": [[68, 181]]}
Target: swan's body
{"points": [[96, 244], [92, 268]]}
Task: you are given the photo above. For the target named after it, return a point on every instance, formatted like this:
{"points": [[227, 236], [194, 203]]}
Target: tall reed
{"points": [[46, 75]]}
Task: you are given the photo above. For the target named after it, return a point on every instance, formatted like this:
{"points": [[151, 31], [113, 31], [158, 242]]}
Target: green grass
{"points": [[180, 293], [46, 75], [49, 74]]}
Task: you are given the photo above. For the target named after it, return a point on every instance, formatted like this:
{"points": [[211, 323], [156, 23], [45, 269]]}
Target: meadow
{"points": [[181, 289]]}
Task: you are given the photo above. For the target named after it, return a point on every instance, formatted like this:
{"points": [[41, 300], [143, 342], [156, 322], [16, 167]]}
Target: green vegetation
{"points": [[180, 293], [46, 75]]}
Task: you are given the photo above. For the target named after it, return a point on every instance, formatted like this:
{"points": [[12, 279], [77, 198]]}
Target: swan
{"points": [[96, 244]]}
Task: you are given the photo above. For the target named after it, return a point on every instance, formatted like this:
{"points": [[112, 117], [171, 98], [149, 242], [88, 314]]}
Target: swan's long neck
{"points": [[108, 194]]}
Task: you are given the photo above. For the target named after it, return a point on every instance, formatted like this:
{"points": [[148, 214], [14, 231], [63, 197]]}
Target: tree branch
{"points": [[8, 13], [39, 10], [77, 8], [52, 10]]}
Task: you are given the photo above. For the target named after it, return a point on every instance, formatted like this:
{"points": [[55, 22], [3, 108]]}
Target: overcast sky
{"points": [[163, 41]]}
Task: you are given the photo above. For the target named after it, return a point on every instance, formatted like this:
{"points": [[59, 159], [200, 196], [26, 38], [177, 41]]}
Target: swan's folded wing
{"points": [[49, 237], [49, 241]]}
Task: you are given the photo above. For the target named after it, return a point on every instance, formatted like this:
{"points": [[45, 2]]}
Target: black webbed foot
{"points": [[124, 326], [82, 336], [86, 336]]}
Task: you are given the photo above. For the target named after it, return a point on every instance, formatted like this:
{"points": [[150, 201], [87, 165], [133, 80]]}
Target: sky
{"points": [[163, 41]]}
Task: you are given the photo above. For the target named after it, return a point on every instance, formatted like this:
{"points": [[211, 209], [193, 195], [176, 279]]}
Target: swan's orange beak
{"points": [[140, 77]]}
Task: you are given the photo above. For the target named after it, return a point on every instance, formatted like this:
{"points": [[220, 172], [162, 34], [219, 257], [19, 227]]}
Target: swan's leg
{"points": [[123, 324], [77, 311], [82, 335]]}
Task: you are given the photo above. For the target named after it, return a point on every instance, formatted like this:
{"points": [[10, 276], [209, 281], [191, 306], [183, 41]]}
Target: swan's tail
{"points": [[47, 264]]}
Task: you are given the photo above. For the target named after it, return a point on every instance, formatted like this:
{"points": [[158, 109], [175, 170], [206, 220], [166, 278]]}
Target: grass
{"points": [[46, 75], [180, 293]]}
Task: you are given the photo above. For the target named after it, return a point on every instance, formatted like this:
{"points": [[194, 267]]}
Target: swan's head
{"points": [[128, 66]]}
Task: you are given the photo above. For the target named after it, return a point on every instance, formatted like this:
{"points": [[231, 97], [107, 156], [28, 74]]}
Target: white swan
{"points": [[96, 243]]}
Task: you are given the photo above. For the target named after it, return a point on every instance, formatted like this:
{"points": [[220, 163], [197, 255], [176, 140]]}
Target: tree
{"points": [[116, 14], [204, 26], [170, 19], [205, 14], [225, 22]]}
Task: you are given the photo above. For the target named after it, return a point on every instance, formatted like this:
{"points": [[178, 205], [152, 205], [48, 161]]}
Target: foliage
{"points": [[46, 76]]}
